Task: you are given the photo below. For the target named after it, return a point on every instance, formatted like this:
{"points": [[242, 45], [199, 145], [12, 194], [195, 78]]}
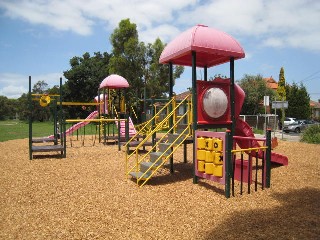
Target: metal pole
{"points": [[268, 160], [228, 157], [275, 122], [205, 73], [232, 99], [30, 120], [194, 112], [282, 120]]}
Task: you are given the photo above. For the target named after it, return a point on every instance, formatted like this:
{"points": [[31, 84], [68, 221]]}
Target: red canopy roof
{"points": [[213, 47], [114, 81]]}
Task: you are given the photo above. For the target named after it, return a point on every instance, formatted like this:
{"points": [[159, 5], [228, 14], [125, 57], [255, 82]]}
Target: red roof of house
{"points": [[314, 104], [271, 83], [183, 95]]}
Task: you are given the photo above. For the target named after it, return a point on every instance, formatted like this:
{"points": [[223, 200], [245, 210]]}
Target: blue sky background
{"points": [[39, 37]]}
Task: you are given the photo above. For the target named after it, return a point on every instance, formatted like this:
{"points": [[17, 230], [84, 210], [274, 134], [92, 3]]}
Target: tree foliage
{"points": [[255, 89], [156, 75], [40, 113], [281, 91], [84, 78], [128, 57], [298, 101], [4, 107], [139, 63]]}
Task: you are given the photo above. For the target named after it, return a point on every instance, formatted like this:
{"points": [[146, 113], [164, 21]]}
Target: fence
{"points": [[258, 121]]}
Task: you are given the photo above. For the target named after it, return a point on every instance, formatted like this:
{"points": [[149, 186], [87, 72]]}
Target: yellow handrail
{"points": [[157, 128], [146, 124], [153, 147], [164, 153], [249, 149]]}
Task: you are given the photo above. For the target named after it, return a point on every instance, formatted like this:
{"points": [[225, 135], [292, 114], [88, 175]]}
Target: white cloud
{"points": [[164, 31], [14, 85], [276, 23]]}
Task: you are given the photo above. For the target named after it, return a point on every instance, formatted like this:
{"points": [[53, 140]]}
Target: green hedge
{"points": [[311, 135]]}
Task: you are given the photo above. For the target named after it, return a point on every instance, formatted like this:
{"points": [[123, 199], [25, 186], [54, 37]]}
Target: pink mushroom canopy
{"points": [[212, 47], [114, 81]]}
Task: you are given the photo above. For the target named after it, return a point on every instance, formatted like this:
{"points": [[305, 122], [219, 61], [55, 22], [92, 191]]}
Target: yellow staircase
{"points": [[143, 166]]}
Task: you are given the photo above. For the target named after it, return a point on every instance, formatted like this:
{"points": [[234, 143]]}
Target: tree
{"points": [[298, 102], [84, 78], [139, 63], [156, 75], [40, 113], [23, 107], [128, 59], [255, 89], [4, 107], [281, 91]]}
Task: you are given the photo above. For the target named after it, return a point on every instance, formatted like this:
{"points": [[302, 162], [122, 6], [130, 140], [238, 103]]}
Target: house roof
{"points": [[182, 95], [271, 83], [314, 104]]}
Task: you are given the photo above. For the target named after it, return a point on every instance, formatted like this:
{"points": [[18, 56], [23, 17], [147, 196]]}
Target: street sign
{"points": [[279, 104], [266, 101]]}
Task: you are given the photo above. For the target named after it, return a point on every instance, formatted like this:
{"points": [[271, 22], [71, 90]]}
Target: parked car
{"points": [[298, 126], [289, 120]]}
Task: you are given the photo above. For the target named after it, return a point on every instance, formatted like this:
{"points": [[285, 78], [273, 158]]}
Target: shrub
{"points": [[311, 135]]}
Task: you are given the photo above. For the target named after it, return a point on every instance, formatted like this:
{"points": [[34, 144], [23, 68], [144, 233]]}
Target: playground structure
{"points": [[107, 115], [57, 139], [212, 105]]}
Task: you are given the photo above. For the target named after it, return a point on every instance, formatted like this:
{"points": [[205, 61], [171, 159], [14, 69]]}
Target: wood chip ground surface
{"points": [[87, 196]]}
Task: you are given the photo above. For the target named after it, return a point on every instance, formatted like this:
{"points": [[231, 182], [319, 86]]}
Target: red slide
{"points": [[243, 129]]}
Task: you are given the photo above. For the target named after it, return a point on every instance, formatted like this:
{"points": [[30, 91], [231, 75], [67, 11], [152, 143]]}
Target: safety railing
{"points": [[243, 168], [186, 132]]}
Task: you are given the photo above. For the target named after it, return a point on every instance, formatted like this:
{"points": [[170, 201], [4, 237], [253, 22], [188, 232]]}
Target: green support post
{"points": [[127, 131], [232, 100], [194, 113], [64, 139], [144, 114], [30, 119], [268, 159], [55, 123], [228, 163], [153, 124], [205, 71], [119, 126]]}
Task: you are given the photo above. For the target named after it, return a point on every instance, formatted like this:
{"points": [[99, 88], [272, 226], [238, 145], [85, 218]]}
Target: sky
{"points": [[39, 37]]}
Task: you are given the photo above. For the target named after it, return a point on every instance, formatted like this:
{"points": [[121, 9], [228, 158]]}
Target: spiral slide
{"points": [[243, 129]]}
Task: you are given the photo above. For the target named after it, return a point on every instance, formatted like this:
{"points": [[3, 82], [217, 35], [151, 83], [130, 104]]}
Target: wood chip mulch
{"points": [[87, 196]]}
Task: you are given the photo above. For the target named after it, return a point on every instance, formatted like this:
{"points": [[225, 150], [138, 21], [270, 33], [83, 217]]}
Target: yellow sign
{"points": [[44, 100]]}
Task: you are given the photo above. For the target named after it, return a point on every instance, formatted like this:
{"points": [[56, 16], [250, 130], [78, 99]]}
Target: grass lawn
{"points": [[15, 129]]}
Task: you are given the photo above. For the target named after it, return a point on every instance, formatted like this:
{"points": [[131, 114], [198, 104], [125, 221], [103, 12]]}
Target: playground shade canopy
{"points": [[212, 47], [114, 81]]}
